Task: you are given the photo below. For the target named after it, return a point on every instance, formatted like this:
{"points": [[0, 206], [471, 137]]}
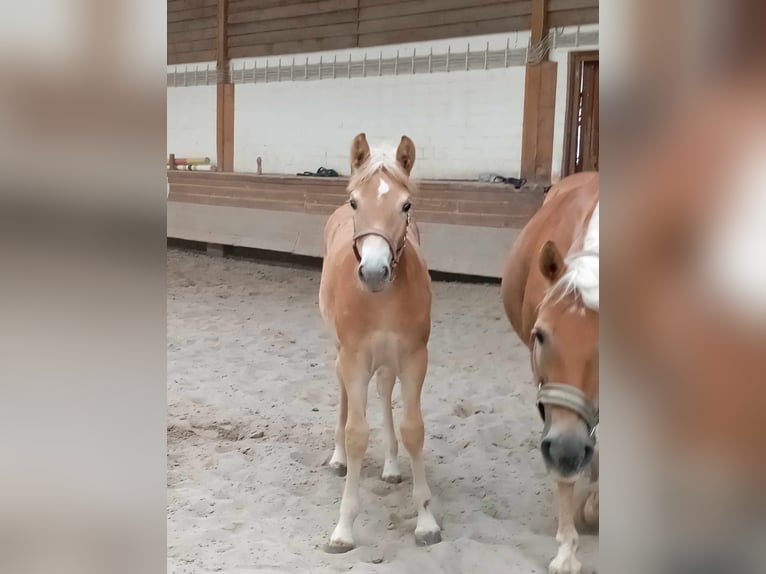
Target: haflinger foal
{"points": [[552, 303], [375, 294]]}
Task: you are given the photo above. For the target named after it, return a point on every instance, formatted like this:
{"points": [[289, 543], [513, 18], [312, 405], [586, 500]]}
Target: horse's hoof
{"points": [[428, 538], [337, 547], [339, 468], [565, 565], [392, 478]]}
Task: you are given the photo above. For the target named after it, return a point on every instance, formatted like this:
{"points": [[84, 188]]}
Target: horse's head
{"points": [[564, 345], [379, 194]]}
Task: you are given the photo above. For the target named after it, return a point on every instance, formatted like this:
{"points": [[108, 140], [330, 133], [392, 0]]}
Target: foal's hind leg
{"points": [[338, 460], [412, 376], [385, 382]]}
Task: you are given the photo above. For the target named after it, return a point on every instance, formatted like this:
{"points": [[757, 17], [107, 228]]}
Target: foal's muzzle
{"points": [[376, 278]]}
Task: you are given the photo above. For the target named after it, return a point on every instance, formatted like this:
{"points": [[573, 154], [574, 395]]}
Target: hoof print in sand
{"points": [[337, 548], [428, 538], [392, 478], [339, 469]]}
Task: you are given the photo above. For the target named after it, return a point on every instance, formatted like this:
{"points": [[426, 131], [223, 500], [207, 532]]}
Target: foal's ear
{"points": [[551, 262], [360, 151], [405, 154]]}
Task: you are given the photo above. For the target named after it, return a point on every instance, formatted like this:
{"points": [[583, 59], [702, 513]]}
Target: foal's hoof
{"points": [[392, 478], [337, 547], [338, 468], [428, 538]]}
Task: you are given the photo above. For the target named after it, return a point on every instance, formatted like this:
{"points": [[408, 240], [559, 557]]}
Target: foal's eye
{"points": [[406, 207], [539, 335], [352, 203]]}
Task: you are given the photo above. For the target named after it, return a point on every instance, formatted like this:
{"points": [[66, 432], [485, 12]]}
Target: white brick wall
{"points": [[462, 123], [191, 121]]}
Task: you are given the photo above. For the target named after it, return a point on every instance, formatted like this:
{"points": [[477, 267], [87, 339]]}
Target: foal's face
{"points": [[382, 206], [565, 351]]}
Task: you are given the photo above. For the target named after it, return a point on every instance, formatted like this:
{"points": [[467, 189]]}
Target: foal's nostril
{"points": [[386, 272], [545, 447], [360, 272], [588, 453]]}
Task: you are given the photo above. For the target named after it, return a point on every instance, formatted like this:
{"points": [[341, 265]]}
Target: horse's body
{"points": [[375, 295], [552, 304]]}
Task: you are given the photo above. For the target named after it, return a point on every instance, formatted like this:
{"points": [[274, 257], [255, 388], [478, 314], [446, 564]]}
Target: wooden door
{"points": [[582, 128]]}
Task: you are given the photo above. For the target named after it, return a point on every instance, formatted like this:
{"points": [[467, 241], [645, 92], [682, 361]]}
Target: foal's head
{"points": [[379, 194], [565, 360]]}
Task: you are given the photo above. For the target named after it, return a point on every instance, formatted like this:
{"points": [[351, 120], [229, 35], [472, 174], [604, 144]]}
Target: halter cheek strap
{"points": [[565, 396]]}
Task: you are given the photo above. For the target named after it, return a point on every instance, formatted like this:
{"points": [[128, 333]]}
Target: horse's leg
{"points": [[338, 460], [590, 505], [385, 381], [412, 376], [356, 378], [565, 561]]}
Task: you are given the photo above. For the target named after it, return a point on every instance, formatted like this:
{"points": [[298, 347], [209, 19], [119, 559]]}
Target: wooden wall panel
{"points": [[409, 7], [275, 27], [292, 10], [448, 31], [298, 22], [179, 5], [463, 203], [443, 17], [191, 57], [306, 33], [293, 47], [573, 17]]}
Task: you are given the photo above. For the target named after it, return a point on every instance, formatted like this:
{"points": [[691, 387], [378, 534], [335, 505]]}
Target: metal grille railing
{"points": [[372, 64]]}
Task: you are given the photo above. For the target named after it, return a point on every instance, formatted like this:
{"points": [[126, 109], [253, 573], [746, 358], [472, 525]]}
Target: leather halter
{"points": [[396, 252], [566, 396]]}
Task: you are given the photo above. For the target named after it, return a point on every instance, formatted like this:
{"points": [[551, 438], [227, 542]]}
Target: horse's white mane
{"points": [[581, 274], [383, 158]]}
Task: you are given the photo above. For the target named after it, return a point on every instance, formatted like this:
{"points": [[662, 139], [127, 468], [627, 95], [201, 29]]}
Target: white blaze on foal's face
{"points": [[383, 188], [375, 252]]}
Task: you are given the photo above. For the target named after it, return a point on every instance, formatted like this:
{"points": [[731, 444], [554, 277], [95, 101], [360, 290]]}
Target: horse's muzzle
{"points": [[374, 277], [567, 453]]}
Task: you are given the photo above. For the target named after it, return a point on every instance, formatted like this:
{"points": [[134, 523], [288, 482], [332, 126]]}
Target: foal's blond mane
{"points": [[382, 159]]}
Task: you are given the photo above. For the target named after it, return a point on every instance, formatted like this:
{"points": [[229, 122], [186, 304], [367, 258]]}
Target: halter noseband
{"points": [[396, 252], [566, 396]]}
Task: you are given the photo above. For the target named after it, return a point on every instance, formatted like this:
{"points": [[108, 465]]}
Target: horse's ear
{"points": [[405, 154], [551, 262], [360, 151]]}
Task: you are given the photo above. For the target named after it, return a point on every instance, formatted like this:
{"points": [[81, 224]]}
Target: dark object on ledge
{"points": [[497, 178], [321, 172]]}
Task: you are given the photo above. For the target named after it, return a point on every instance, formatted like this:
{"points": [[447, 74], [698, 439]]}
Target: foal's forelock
{"points": [[381, 160]]}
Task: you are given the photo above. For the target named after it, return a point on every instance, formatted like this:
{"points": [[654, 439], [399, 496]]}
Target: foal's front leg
{"points": [[355, 379], [412, 376], [565, 561]]}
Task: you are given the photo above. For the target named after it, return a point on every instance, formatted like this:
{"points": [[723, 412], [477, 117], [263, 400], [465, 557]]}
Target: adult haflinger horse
{"points": [[375, 294], [552, 302]]}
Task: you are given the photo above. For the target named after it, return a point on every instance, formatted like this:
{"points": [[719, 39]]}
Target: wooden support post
{"points": [[539, 106], [225, 96]]}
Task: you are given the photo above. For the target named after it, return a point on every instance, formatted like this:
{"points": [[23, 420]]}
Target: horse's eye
{"points": [[352, 203], [539, 336], [406, 207]]}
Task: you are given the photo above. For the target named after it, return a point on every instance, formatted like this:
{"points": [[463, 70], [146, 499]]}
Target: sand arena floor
{"points": [[251, 408]]}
